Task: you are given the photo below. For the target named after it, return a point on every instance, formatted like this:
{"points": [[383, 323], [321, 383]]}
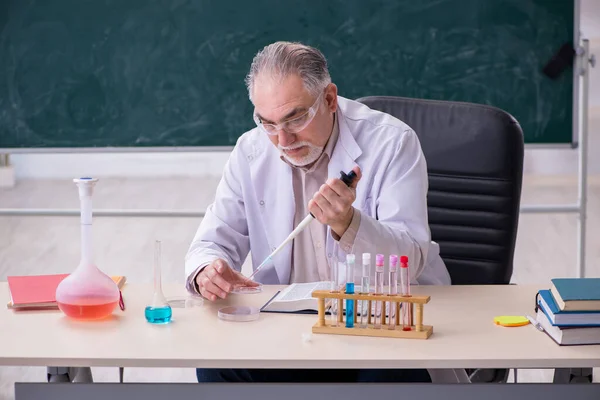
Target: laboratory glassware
{"points": [[365, 288], [393, 290], [159, 311], [405, 287], [379, 260], [87, 293], [350, 260]]}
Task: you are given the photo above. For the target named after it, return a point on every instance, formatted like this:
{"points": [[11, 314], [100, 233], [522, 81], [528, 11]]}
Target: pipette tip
{"points": [[260, 266]]}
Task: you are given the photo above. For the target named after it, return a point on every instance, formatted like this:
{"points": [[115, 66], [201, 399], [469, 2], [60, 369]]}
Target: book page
{"points": [[301, 291]]}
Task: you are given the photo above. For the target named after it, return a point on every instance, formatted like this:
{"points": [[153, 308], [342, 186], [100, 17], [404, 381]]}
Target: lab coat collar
{"points": [[347, 149]]}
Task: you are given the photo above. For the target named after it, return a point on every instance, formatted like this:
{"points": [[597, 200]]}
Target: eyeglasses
{"points": [[294, 125]]}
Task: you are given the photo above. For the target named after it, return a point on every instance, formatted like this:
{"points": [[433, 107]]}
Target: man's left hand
{"points": [[332, 204]]}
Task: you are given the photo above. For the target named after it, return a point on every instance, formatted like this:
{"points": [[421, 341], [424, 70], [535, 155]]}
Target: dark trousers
{"points": [[313, 375]]}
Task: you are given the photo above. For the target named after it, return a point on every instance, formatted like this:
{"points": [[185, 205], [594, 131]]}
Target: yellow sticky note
{"points": [[509, 320]]}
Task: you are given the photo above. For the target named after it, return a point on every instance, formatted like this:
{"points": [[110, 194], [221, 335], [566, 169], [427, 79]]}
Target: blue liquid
{"points": [[158, 315], [350, 306]]}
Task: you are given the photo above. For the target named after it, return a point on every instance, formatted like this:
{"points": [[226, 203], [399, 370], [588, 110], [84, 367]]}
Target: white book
{"points": [[297, 298], [568, 335]]}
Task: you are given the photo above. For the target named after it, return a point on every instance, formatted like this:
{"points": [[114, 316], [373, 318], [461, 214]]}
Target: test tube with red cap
{"points": [[405, 287], [379, 260], [393, 291]]}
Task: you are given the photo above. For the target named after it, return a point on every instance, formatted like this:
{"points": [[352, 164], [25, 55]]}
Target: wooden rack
{"points": [[416, 304]]}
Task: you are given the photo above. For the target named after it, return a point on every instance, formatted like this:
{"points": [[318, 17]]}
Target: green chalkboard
{"points": [[147, 73]]}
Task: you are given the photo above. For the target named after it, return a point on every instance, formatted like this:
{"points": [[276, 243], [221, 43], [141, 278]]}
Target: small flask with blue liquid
{"points": [[159, 311]]}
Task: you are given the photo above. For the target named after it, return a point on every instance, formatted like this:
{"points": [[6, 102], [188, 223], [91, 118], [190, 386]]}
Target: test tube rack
{"points": [[416, 303]]}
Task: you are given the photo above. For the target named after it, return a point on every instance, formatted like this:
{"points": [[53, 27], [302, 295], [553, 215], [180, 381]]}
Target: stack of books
{"points": [[570, 311]]}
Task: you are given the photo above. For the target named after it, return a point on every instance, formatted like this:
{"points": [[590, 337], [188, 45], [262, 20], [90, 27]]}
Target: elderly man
{"points": [[288, 166]]}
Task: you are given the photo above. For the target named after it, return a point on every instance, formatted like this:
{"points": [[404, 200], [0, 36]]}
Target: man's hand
{"points": [[218, 279], [332, 204]]}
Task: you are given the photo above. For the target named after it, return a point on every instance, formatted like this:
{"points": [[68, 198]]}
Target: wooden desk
{"points": [[464, 337]]}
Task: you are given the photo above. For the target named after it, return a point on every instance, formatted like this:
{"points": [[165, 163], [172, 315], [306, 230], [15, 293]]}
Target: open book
{"points": [[296, 298]]}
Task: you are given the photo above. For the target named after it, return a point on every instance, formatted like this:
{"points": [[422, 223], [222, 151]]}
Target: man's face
{"points": [[281, 101]]}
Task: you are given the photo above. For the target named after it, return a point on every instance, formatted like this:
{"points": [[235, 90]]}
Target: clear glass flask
{"points": [[159, 311], [87, 293], [365, 288], [379, 260], [393, 291]]}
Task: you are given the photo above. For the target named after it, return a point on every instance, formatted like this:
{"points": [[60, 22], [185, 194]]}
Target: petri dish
{"points": [[185, 301], [239, 313], [247, 289]]}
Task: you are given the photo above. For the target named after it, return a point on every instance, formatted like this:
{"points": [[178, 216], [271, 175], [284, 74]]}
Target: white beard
{"points": [[313, 153]]}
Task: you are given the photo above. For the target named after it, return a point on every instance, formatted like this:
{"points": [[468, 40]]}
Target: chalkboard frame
{"points": [[573, 144]]}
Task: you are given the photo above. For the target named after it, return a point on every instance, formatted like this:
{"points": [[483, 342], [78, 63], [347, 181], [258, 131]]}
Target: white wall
{"points": [[537, 161], [68, 166]]}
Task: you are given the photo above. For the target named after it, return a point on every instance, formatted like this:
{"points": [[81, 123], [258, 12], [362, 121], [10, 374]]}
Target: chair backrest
{"points": [[474, 157]]}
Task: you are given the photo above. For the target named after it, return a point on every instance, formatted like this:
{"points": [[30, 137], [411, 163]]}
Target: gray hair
{"points": [[282, 59]]}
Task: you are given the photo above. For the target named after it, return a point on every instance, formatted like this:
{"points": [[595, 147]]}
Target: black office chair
{"points": [[474, 157]]}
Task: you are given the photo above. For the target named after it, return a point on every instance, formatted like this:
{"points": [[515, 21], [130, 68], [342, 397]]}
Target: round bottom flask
{"points": [[87, 294]]}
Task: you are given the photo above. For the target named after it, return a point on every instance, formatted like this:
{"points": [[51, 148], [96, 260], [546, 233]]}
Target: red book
{"points": [[39, 291], [34, 290]]}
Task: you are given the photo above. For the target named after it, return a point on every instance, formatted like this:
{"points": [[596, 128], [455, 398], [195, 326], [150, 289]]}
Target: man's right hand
{"points": [[218, 279]]}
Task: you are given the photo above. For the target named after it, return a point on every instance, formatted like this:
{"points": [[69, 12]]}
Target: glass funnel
{"points": [[87, 293]]}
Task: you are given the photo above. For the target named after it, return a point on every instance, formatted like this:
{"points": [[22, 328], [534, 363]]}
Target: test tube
{"points": [[378, 289], [393, 290], [334, 289], [405, 287], [364, 288], [350, 259]]}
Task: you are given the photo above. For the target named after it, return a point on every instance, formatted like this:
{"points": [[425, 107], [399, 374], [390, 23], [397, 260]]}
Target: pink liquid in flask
{"points": [[87, 293], [93, 310]]}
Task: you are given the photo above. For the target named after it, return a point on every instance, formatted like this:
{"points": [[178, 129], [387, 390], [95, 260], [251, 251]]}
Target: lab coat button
{"points": [[328, 255], [262, 202], [250, 158]]}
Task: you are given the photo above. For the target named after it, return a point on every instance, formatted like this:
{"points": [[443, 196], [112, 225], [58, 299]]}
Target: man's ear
{"points": [[331, 97]]}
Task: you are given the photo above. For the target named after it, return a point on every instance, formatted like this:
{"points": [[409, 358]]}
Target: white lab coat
{"points": [[254, 204]]}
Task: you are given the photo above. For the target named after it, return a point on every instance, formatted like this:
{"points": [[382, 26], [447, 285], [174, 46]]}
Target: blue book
{"points": [[576, 294], [566, 318]]}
